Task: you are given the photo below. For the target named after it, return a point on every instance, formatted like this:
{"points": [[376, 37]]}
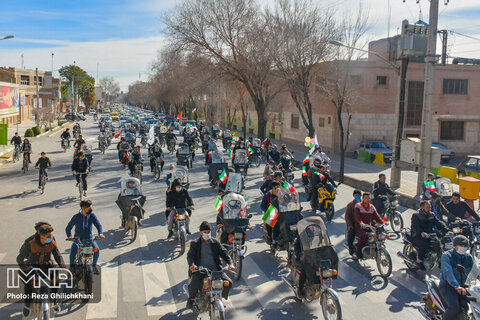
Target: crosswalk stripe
{"points": [[263, 288], [158, 293], [143, 242], [107, 307], [132, 283]]}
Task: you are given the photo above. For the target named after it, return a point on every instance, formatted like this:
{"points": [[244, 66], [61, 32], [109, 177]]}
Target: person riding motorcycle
{"points": [[122, 147], [452, 282], [427, 194], [206, 252], [76, 128], [350, 220], [267, 184], [43, 163], [211, 146], [424, 222], [380, 189], [365, 215], [66, 136], [284, 151], [267, 145], [274, 154], [83, 222], [155, 152], [459, 208], [319, 153], [80, 165], [26, 148], [36, 252], [135, 159], [190, 140], [268, 199], [321, 177], [178, 197], [270, 167], [439, 209], [314, 167]]}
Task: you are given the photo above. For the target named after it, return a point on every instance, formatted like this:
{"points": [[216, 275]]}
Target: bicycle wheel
{"points": [[80, 189], [42, 183]]}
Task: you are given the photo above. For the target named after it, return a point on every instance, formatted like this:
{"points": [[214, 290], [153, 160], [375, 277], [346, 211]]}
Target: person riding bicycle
{"points": [[206, 252], [452, 281], [155, 152], [83, 222], [80, 170], [425, 222], [87, 152], [178, 197], [122, 147], [78, 144], [43, 163], [26, 149], [16, 140], [135, 159], [365, 215], [66, 136], [380, 189], [76, 128], [36, 252]]}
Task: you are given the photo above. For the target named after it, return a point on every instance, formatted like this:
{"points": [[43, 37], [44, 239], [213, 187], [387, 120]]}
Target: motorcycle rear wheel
{"points": [[331, 308], [384, 263], [133, 229], [408, 249], [330, 212], [396, 222], [182, 242]]}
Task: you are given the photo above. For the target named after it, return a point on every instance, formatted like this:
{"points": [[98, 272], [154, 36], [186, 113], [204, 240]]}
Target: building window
{"points": [[321, 122], [329, 120], [25, 80], [250, 130], [40, 81], [355, 79], [455, 86], [415, 103], [272, 135], [381, 80], [295, 123], [452, 130]]}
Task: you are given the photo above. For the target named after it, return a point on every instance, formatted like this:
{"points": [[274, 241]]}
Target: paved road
{"points": [[144, 279]]}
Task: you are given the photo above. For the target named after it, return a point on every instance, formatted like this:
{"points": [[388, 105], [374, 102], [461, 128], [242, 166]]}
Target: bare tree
{"points": [[338, 85], [110, 87], [300, 34], [233, 35]]}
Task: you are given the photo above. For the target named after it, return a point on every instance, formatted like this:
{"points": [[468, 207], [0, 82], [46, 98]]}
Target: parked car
{"points": [[471, 164], [447, 154], [373, 147], [74, 116], [92, 112]]}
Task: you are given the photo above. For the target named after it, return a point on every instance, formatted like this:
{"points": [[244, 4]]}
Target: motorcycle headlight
{"points": [[238, 236], [217, 284], [456, 230], [180, 216], [382, 236], [395, 203]]}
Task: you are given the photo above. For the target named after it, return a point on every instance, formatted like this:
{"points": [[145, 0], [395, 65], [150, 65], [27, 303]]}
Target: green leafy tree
{"points": [[84, 84]]}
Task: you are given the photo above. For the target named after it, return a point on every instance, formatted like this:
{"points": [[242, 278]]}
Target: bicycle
{"points": [[80, 185], [43, 181], [25, 162], [65, 144], [156, 169], [16, 153]]}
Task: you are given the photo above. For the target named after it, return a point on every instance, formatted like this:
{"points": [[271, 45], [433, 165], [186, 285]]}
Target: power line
{"points": [[464, 35]]}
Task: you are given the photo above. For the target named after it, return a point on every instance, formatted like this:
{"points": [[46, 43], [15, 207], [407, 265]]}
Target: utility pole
{"points": [[444, 35], [426, 129], [73, 87], [37, 120], [22, 60]]}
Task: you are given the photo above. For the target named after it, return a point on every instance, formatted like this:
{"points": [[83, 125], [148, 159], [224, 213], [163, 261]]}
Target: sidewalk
{"points": [[22, 127]]}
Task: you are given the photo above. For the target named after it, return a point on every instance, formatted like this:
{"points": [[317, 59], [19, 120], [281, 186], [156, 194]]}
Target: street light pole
{"points": [[426, 129]]}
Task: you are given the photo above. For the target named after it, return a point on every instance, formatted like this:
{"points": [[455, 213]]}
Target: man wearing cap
{"points": [[452, 281], [206, 252], [424, 222]]}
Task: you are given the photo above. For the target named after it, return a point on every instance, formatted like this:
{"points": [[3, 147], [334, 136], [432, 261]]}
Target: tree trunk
{"points": [[342, 156], [262, 119]]}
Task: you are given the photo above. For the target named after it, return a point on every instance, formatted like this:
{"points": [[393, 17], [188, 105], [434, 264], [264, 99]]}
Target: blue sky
{"points": [[123, 36]]}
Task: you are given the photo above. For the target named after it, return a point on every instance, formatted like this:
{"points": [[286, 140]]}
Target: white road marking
{"points": [[158, 293], [107, 307], [143, 242]]}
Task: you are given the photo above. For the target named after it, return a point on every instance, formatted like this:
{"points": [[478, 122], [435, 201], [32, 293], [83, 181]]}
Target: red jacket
{"points": [[366, 215]]}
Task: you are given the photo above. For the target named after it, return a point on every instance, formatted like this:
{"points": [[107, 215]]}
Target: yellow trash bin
{"points": [[448, 172], [469, 188]]}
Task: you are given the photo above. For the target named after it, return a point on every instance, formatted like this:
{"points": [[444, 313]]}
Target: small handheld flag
{"points": [[290, 188], [271, 215], [223, 177], [194, 110], [219, 204]]}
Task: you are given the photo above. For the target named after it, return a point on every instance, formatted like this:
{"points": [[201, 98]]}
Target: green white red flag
{"points": [[219, 204], [271, 215], [223, 177]]}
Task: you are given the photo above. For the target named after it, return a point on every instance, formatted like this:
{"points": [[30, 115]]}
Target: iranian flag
{"points": [[304, 171], [233, 142], [290, 188], [250, 151], [280, 165], [180, 116], [430, 186], [290, 165], [223, 177], [248, 144], [230, 153], [322, 177], [194, 110], [219, 205], [271, 215], [385, 217], [306, 160], [264, 142], [118, 134]]}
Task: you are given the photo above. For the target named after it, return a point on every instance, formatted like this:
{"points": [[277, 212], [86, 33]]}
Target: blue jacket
{"points": [[450, 275], [83, 225]]}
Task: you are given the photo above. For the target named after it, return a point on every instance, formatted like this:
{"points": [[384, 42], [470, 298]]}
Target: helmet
{"points": [[317, 162], [274, 146]]}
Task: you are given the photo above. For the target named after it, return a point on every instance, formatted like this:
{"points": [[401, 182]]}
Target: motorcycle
{"points": [[375, 249], [137, 172], [255, 159], [65, 144], [131, 202], [171, 146], [443, 187], [184, 155], [84, 262], [233, 222], [102, 143], [289, 213], [124, 157], [471, 230], [143, 141], [209, 299], [390, 204], [227, 142], [42, 303], [325, 201], [179, 226], [432, 257], [320, 262], [216, 167], [433, 305], [240, 161], [286, 166]]}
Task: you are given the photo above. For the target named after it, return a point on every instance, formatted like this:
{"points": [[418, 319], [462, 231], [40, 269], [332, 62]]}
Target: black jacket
{"points": [[16, 140], [381, 188], [218, 251], [425, 223], [179, 199], [43, 163], [80, 165], [65, 135], [34, 253], [459, 210]]}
